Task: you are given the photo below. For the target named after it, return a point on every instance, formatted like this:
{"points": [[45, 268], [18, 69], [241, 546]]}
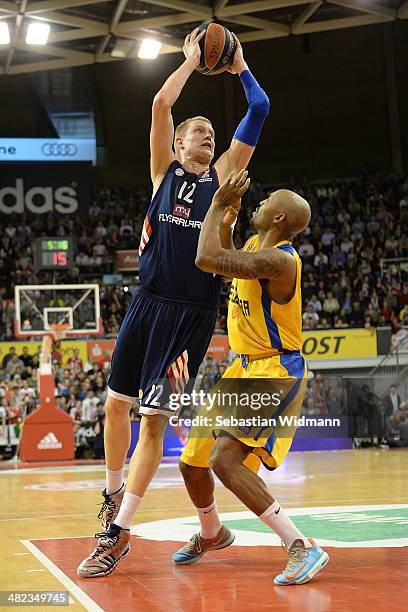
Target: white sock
{"points": [[114, 480], [128, 508], [209, 521], [276, 518]]}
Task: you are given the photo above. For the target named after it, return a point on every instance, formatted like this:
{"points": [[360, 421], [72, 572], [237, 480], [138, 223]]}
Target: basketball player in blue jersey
{"points": [[166, 331], [265, 330]]}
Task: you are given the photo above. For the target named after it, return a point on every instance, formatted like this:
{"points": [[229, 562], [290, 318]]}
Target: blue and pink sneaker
{"points": [[304, 563]]}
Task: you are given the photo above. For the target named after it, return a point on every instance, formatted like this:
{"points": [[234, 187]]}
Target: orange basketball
{"points": [[217, 49]]}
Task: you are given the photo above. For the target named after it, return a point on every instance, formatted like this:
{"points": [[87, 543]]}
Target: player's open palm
{"points": [[229, 194], [191, 47]]}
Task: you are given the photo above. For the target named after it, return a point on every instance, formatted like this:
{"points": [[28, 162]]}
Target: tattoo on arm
{"points": [[270, 263]]}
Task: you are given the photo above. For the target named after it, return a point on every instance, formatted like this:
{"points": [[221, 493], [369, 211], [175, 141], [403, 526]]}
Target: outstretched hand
{"points": [[191, 47], [229, 194]]}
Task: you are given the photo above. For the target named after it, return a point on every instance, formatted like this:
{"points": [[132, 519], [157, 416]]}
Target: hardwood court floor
{"points": [[355, 502]]}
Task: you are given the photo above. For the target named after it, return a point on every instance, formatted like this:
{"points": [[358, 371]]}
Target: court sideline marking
{"points": [[69, 584]]}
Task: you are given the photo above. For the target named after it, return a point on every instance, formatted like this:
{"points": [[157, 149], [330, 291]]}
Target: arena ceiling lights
{"points": [[38, 33], [149, 49], [88, 31]]}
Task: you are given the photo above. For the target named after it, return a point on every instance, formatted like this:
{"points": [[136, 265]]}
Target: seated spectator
{"points": [[403, 297], [82, 260], [101, 230], [310, 318], [327, 240], [315, 303], [323, 324], [310, 408], [372, 314], [14, 366], [71, 401], [211, 363], [337, 257], [321, 259], [322, 291], [8, 356], [306, 249], [399, 341], [392, 401], [89, 408], [62, 402], [63, 388], [75, 361], [368, 324], [339, 323], [346, 245], [99, 248], [95, 260], [355, 317], [26, 358], [403, 315], [385, 312], [334, 403], [398, 428], [331, 306]]}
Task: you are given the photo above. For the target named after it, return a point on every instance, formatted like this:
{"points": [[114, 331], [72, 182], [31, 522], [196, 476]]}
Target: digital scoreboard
{"points": [[53, 253]]}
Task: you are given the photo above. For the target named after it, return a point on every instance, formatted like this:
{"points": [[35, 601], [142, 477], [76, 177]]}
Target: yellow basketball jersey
{"points": [[256, 324]]}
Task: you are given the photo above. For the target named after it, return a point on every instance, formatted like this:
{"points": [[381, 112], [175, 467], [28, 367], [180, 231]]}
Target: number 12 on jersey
{"points": [[186, 192]]}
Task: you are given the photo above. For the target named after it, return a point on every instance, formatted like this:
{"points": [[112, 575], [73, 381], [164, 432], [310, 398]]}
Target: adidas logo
{"points": [[50, 441]]}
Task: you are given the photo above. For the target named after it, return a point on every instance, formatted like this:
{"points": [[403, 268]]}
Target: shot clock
{"points": [[53, 253]]}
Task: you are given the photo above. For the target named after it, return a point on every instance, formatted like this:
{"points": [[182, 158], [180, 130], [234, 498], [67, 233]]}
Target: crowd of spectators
{"points": [[373, 419], [81, 393], [80, 390], [325, 396], [355, 226], [211, 371]]}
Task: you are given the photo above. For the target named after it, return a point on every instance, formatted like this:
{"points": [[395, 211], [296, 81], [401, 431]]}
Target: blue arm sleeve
{"points": [[250, 127]]}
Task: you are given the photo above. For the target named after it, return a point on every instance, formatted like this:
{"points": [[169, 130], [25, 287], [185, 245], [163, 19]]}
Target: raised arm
{"points": [[248, 131], [271, 263], [266, 263], [162, 128]]}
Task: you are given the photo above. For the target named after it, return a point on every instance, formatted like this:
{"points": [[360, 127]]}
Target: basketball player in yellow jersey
{"points": [[265, 330]]}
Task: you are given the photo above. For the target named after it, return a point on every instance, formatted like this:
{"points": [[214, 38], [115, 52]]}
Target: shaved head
{"points": [[284, 209], [296, 209]]}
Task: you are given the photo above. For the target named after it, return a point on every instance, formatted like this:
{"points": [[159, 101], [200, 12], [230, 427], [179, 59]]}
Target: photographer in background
{"points": [[398, 427]]}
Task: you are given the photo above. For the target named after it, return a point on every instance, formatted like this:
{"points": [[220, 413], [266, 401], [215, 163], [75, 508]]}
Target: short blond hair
{"points": [[183, 126]]}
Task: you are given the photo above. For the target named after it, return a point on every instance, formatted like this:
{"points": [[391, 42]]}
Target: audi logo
{"points": [[59, 149]]}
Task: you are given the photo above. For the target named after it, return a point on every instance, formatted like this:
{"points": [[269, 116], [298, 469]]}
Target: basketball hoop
{"points": [[58, 331], [40, 307]]}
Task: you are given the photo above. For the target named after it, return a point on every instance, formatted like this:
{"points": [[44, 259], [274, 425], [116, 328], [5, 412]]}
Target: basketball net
{"points": [[57, 332]]}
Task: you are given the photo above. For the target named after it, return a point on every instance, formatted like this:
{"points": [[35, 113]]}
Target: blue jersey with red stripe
{"points": [[168, 244]]}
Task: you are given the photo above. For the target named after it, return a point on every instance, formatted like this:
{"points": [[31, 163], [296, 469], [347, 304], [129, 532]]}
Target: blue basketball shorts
{"points": [[160, 346]]}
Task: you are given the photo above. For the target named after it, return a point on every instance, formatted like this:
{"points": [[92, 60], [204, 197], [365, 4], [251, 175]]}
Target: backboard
{"points": [[40, 307]]}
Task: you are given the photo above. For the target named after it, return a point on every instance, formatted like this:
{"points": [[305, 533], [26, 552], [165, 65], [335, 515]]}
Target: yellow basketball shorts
{"points": [[287, 376]]}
